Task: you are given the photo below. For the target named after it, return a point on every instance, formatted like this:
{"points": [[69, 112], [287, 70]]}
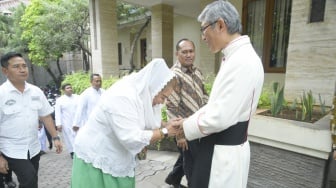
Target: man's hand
{"points": [[180, 131], [183, 144], [75, 128], [58, 146], [3, 165]]}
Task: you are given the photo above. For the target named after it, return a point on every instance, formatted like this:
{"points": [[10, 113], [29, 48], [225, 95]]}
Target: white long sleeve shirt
{"points": [[65, 109], [87, 101], [114, 133]]}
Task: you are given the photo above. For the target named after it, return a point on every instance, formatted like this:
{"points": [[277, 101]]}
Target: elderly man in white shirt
{"points": [[21, 106], [87, 101], [65, 109]]}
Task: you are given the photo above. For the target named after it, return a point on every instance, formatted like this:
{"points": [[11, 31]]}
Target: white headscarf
{"points": [[150, 80]]}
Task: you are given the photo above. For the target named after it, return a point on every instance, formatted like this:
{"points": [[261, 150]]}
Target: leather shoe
{"points": [[179, 186]]}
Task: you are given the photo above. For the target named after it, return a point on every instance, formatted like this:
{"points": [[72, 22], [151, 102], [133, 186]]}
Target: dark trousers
{"points": [[26, 171], [184, 163], [8, 177], [49, 138]]}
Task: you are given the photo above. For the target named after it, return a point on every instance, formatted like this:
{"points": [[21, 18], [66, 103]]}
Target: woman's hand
{"points": [[173, 125]]}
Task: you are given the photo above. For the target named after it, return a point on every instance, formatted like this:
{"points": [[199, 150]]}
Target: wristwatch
{"points": [[56, 138], [164, 131]]}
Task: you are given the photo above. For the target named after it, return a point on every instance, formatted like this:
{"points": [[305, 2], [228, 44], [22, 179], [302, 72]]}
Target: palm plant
{"points": [[277, 99]]}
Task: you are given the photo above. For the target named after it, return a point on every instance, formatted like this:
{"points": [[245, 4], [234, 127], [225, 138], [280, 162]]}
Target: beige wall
{"points": [[311, 53]]}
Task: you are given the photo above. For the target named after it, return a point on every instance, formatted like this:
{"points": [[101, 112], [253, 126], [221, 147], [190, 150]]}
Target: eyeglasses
{"points": [[205, 27]]}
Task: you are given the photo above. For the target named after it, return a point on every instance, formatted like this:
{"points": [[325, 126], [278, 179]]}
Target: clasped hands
{"points": [[175, 128]]}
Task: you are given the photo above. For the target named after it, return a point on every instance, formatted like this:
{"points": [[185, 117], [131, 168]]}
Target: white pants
{"points": [[43, 138]]}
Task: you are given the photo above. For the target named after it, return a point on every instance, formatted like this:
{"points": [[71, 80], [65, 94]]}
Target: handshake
{"points": [[175, 128]]}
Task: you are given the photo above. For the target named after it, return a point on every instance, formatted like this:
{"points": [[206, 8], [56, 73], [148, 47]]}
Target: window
{"points": [[317, 10], [267, 22], [119, 54]]}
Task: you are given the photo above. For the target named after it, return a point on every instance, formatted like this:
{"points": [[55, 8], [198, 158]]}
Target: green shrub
{"points": [[264, 100], [277, 99], [80, 81], [307, 105], [322, 105], [209, 82]]}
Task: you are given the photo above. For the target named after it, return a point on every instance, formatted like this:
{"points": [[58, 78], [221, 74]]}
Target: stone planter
{"points": [[286, 153]]}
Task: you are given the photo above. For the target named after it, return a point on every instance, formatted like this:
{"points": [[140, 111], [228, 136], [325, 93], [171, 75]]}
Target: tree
{"points": [[54, 27], [10, 34], [47, 29], [127, 12]]}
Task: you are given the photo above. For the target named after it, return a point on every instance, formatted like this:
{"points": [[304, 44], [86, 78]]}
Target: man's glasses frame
{"points": [[205, 27]]}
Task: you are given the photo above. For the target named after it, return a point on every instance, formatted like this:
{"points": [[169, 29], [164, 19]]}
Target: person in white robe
{"points": [[221, 125], [42, 136], [87, 101], [65, 109]]}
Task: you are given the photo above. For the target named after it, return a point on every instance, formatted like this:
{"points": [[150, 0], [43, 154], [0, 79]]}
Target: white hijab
{"points": [[149, 81]]}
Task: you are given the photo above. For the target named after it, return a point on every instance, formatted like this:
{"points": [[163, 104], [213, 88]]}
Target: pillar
{"points": [[103, 22], [162, 32]]}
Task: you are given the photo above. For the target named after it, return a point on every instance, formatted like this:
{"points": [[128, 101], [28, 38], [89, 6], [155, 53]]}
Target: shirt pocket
{"points": [[11, 110], [35, 105]]}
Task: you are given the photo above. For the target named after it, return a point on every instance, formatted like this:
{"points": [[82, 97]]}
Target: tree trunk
{"points": [[57, 81], [86, 61], [32, 74], [136, 38], [58, 66]]}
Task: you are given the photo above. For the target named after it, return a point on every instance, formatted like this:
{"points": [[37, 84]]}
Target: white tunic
{"points": [[234, 98], [65, 109], [87, 101], [19, 113], [121, 125]]}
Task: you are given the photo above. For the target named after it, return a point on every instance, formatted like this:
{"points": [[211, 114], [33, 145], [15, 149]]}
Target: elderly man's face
{"points": [[215, 35]]}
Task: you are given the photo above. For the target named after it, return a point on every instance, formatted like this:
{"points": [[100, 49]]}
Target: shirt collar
{"points": [[11, 87], [234, 45], [184, 69]]}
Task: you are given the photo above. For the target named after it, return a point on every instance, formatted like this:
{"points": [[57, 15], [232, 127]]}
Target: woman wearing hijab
{"points": [[126, 119]]}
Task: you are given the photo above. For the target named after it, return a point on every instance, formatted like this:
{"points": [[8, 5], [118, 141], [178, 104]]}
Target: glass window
{"points": [[256, 24], [317, 10], [267, 22]]}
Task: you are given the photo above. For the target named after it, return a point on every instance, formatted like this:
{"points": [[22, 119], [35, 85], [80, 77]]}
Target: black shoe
{"points": [[182, 186], [71, 155], [179, 186], [50, 146], [171, 181], [42, 152]]}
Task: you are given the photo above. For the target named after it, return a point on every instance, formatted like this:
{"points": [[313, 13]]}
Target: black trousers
{"points": [[184, 163], [26, 171]]}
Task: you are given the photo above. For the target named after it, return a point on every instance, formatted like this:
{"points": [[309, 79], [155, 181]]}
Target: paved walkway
{"points": [[55, 170]]}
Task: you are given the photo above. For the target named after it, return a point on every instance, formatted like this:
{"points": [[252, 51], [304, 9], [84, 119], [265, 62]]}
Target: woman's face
{"points": [[161, 97]]}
